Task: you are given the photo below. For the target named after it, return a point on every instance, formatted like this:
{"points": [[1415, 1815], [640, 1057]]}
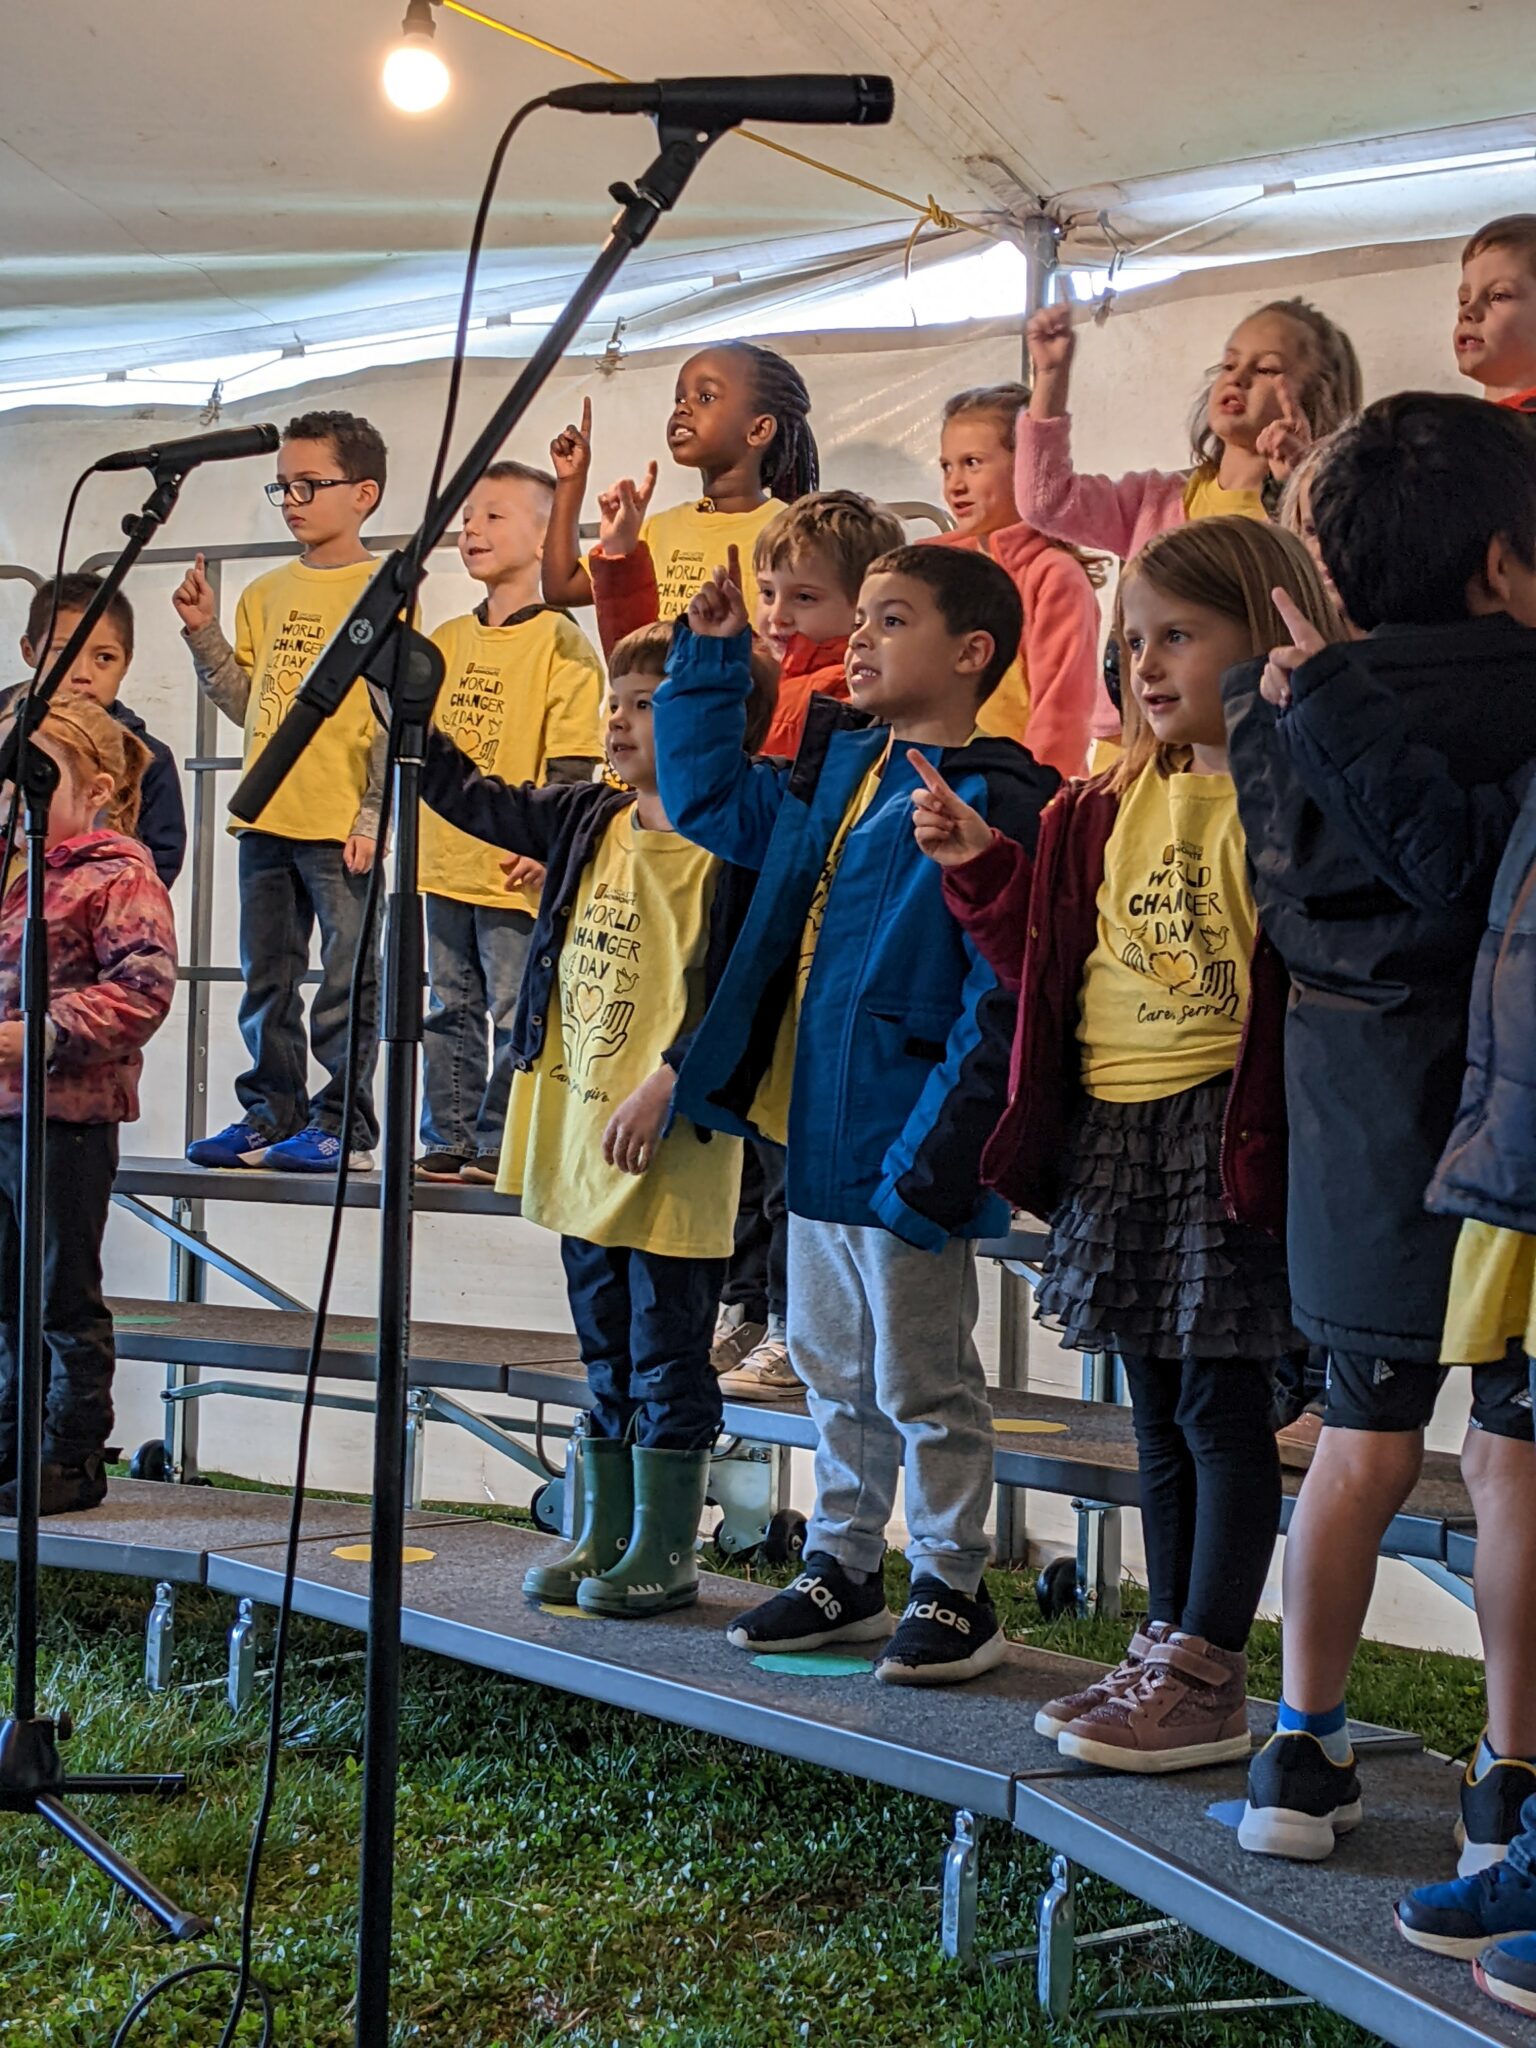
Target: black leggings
{"points": [[1210, 1490]]}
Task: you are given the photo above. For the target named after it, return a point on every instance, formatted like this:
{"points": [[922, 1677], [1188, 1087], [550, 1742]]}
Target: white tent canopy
{"points": [[182, 183]]}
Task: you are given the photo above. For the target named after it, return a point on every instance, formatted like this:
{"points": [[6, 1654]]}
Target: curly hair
{"points": [[356, 443], [97, 744]]}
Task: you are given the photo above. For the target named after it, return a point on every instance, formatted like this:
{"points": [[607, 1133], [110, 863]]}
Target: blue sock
{"points": [[1331, 1729]]}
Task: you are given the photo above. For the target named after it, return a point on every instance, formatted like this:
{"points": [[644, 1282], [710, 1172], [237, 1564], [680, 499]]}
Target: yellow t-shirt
{"points": [[282, 623], [1493, 1295], [631, 980], [1165, 990], [514, 698], [770, 1106], [689, 542], [1204, 498], [1006, 712]]}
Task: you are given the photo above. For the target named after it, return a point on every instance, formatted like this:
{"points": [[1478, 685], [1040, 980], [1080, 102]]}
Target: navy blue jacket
{"points": [[1489, 1167], [162, 815], [1378, 912], [901, 1056], [559, 824], [162, 822]]}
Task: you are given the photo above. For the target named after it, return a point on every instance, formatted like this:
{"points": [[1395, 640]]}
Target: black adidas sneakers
{"points": [[821, 1607]]}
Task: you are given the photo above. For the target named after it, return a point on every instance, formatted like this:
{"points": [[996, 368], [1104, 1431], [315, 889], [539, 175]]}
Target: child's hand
{"points": [[1275, 687], [621, 513], [570, 452], [634, 1129], [11, 1039], [719, 611], [357, 854], [1286, 440], [947, 830], [522, 871], [193, 599], [1052, 341]]}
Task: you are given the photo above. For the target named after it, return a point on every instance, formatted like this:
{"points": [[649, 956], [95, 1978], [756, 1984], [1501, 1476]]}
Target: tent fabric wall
{"points": [[876, 404]]}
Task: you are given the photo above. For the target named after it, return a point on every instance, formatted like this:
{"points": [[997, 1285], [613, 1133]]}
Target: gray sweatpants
{"points": [[883, 1336]]}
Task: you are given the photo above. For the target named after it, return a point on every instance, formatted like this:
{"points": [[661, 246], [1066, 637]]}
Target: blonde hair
{"points": [[96, 744], [1228, 566], [1331, 392], [1288, 513], [1002, 404]]}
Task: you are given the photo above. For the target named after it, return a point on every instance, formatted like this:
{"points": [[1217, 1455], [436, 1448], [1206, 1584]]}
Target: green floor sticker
{"points": [[142, 1322], [369, 1337], [815, 1664]]}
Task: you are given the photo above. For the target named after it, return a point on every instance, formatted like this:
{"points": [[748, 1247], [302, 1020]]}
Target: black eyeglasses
{"points": [[303, 488]]}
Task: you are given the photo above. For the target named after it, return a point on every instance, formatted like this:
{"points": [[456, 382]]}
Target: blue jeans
{"points": [[287, 887], [645, 1324], [475, 961]]}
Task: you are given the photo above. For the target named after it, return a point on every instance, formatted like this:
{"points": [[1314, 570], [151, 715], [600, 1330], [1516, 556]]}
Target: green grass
{"points": [[566, 1873]]}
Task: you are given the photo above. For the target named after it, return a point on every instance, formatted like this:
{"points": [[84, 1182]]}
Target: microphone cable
{"points": [[247, 1983]]}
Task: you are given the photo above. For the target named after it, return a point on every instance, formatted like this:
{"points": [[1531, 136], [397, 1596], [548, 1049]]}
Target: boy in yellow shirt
{"points": [[306, 861], [521, 698], [634, 928]]}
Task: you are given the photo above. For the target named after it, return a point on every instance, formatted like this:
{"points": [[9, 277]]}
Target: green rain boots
{"points": [[660, 1569], [607, 1511]]}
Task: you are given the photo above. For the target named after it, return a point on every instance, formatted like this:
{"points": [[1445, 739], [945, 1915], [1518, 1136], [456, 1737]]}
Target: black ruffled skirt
{"points": [[1143, 1258]]}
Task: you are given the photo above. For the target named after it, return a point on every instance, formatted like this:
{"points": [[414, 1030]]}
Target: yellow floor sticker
{"points": [[567, 1613], [362, 1553], [1019, 1425]]}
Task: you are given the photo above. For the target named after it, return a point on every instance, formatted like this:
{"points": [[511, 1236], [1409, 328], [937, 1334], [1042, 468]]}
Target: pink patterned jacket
{"points": [[112, 974]]}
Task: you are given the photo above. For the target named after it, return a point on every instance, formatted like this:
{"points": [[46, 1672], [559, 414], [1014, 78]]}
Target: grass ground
{"points": [[567, 1873]]}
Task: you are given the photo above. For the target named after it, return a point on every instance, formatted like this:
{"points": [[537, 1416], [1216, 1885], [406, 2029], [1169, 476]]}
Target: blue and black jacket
{"points": [[901, 1056]]}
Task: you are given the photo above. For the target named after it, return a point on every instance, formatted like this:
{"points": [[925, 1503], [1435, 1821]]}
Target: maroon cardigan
{"points": [[1036, 922]]}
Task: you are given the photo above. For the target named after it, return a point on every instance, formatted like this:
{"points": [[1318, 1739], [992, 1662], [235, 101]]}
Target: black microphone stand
{"points": [[32, 1776], [363, 645]]}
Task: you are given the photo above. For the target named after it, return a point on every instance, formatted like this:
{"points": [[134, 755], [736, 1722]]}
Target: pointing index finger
{"points": [[930, 775], [586, 419]]}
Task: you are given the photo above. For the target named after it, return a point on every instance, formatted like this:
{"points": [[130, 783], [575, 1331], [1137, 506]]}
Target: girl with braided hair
{"points": [[741, 417]]}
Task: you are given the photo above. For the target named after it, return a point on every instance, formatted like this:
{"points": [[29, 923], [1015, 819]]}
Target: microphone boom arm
{"points": [[378, 613]]}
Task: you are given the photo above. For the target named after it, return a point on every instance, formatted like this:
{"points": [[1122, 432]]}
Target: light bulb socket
{"points": [[418, 19]]}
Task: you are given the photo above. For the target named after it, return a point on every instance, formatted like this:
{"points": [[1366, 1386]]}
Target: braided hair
{"points": [[791, 465]]}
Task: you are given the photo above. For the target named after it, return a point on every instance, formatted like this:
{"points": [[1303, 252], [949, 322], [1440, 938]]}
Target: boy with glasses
{"points": [[306, 860]]}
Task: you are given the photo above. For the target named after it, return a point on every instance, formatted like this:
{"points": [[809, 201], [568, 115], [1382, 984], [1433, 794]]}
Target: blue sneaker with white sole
{"points": [[314, 1151], [1470, 1914], [240, 1144], [1507, 1972]]}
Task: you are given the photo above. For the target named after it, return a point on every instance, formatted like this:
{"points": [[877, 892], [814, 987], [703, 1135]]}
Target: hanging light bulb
{"points": [[415, 77]]}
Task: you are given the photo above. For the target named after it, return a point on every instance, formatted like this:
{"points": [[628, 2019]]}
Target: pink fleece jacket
{"points": [[1112, 515], [1059, 646]]}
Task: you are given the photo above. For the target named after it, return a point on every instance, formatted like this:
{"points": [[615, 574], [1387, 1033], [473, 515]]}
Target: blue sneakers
{"points": [[238, 1144], [1507, 1972], [314, 1151], [1470, 1914]]}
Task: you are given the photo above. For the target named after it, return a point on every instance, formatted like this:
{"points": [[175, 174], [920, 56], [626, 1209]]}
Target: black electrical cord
{"points": [[247, 1983], [24, 696]]}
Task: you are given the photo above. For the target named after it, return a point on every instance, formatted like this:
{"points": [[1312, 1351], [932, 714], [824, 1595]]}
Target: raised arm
{"points": [[570, 455], [712, 792]]}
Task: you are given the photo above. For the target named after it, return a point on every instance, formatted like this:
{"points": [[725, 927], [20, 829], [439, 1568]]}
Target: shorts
{"points": [[1384, 1394]]}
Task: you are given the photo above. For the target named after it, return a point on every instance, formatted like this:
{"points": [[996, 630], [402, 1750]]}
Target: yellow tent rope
{"points": [[929, 215]]}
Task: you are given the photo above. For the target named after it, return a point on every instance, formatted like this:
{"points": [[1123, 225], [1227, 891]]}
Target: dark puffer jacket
{"points": [[1378, 915], [1489, 1168]]}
